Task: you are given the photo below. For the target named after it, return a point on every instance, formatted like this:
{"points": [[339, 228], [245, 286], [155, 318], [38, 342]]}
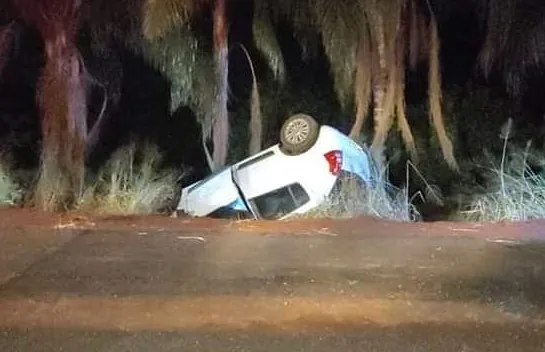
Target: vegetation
{"points": [[133, 181], [512, 194], [365, 42], [513, 42], [514, 188], [10, 190], [352, 64], [62, 102], [350, 199]]}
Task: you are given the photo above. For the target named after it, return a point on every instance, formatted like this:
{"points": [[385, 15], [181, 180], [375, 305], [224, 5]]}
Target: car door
{"points": [[260, 174], [214, 192]]}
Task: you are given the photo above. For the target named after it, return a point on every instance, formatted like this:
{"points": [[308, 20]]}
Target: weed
{"points": [[515, 190], [131, 182], [10, 191], [351, 197]]}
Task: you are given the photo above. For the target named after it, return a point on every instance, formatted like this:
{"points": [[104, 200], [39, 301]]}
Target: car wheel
{"points": [[298, 134]]}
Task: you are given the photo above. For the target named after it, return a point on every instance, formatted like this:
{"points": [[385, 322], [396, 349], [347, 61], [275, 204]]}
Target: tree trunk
{"points": [[256, 121], [379, 95], [220, 126], [362, 85], [62, 101], [256, 117]]}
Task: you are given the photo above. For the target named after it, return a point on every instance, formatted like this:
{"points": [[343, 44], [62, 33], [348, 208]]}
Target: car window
{"points": [[280, 202], [228, 212]]}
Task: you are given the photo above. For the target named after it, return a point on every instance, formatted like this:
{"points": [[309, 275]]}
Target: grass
{"points": [[10, 190], [351, 198], [515, 189], [131, 182]]}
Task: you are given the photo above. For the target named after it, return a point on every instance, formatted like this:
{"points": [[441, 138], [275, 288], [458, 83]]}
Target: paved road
{"points": [[91, 290]]}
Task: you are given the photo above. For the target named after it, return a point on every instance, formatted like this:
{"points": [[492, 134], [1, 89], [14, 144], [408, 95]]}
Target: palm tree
{"points": [[369, 43], [364, 41], [62, 101], [171, 44]]}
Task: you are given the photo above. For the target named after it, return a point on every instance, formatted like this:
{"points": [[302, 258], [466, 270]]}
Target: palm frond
{"points": [[162, 16], [293, 12], [339, 24], [499, 17], [514, 40], [120, 20], [267, 43], [189, 66]]}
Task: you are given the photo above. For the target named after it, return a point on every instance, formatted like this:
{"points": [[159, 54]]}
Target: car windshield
{"points": [[282, 201]]}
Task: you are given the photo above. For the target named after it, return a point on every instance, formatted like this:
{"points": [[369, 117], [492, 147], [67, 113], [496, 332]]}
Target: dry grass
{"points": [[131, 183], [515, 190], [10, 191], [350, 199]]}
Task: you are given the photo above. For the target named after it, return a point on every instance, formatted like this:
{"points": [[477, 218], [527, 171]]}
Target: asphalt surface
{"points": [[92, 290]]}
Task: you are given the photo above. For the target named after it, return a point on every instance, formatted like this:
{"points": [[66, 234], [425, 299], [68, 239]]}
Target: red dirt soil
{"points": [[361, 226]]}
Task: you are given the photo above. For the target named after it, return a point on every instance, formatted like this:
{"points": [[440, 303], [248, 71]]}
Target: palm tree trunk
{"points": [[362, 85], [220, 126], [379, 94], [256, 117], [62, 101]]}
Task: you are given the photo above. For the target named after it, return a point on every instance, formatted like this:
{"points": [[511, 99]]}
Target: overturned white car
{"points": [[291, 177]]}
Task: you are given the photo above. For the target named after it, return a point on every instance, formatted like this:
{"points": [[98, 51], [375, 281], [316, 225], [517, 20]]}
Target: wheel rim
{"points": [[297, 131]]}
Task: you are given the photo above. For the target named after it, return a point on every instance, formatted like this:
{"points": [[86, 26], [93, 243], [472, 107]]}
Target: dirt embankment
{"points": [[31, 218]]}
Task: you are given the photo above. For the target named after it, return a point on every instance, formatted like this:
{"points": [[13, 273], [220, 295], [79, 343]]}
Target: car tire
{"points": [[298, 134]]}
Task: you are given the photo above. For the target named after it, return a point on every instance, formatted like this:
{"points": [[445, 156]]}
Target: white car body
{"points": [[247, 185]]}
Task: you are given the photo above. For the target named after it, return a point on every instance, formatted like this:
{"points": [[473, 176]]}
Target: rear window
{"points": [[275, 204]]}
